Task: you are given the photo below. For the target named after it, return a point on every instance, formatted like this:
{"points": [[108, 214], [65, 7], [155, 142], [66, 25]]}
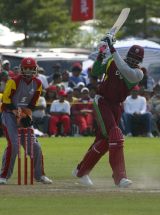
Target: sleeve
{"points": [[68, 108], [36, 96], [45, 83], [127, 106], [53, 107], [98, 68], [133, 75], [8, 93], [143, 105], [41, 102]]}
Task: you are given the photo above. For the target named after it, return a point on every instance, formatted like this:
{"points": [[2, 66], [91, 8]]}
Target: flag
{"points": [[82, 10]]}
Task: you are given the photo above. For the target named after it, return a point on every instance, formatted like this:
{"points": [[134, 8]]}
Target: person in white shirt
{"points": [[40, 117], [60, 113], [135, 109], [42, 77]]}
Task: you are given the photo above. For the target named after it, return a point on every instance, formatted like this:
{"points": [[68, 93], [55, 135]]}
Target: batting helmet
{"points": [[135, 55], [28, 67]]}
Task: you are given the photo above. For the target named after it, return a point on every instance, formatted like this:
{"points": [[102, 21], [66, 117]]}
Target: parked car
{"points": [[48, 58]]}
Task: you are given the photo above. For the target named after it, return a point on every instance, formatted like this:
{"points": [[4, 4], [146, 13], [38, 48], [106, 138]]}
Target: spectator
{"points": [[76, 76], [76, 92], [92, 92], [154, 104], [16, 70], [65, 79], [57, 81], [56, 70], [93, 82], [1, 129], [50, 96], [135, 111], [40, 118], [86, 73], [42, 77], [82, 113], [7, 67], [147, 82], [3, 79], [72, 100], [60, 113], [80, 85]]}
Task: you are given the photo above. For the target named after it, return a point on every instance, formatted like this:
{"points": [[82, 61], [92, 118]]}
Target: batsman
{"points": [[118, 78], [19, 99]]}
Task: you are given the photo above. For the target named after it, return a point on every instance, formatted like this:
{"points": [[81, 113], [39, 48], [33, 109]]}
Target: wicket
{"points": [[28, 135]]}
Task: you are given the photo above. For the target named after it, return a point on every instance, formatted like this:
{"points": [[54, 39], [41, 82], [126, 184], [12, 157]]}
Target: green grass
{"points": [[65, 196]]}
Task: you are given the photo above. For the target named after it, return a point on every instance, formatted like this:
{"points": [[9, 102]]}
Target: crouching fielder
{"points": [[21, 93], [119, 77]]}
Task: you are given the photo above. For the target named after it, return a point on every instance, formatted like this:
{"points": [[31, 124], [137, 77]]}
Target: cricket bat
{"points": [[119, 22]]}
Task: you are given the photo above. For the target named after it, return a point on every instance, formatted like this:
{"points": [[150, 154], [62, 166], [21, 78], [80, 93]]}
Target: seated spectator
{"points": [[92, 92], [72, 100], [82, 113], [76, 93], [1, 130], [76, 76], [50, 96], [40, 118], [94, 82], [80, 85], [60, 114], [135, 112], [65, 79], [154, 104]]}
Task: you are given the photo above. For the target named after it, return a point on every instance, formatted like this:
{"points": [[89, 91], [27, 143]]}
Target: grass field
{"points": [[67, 196]]}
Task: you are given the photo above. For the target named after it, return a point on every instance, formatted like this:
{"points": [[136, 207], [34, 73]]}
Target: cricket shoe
{"points": [[124, 183], [3, 181], [85, 179], [45, 180]]}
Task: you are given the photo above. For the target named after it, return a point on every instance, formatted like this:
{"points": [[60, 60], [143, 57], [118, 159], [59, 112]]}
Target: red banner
{"points": [[82, 10]]}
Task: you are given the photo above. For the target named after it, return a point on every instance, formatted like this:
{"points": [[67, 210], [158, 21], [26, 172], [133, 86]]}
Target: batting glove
{"points": [[110, 39]]}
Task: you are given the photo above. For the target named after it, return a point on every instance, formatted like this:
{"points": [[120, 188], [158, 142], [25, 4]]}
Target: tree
{"points": [[49, 21], [142, 12], [39, 20], [139, 22]]}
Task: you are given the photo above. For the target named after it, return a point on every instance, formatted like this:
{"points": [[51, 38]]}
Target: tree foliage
{"points": [[139, 22], [39, 20], [49, 21]]}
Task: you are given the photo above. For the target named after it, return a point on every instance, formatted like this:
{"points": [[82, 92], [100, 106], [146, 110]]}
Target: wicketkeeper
{"points": [[19, 99], [119, 77]]}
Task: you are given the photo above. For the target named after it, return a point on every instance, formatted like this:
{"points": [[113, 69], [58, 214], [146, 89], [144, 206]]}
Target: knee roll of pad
{"points": [[116, 138]]}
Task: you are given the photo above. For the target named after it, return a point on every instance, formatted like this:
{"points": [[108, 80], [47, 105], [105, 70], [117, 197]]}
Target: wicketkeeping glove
{"points": [[26, 122], [24, 118]]}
